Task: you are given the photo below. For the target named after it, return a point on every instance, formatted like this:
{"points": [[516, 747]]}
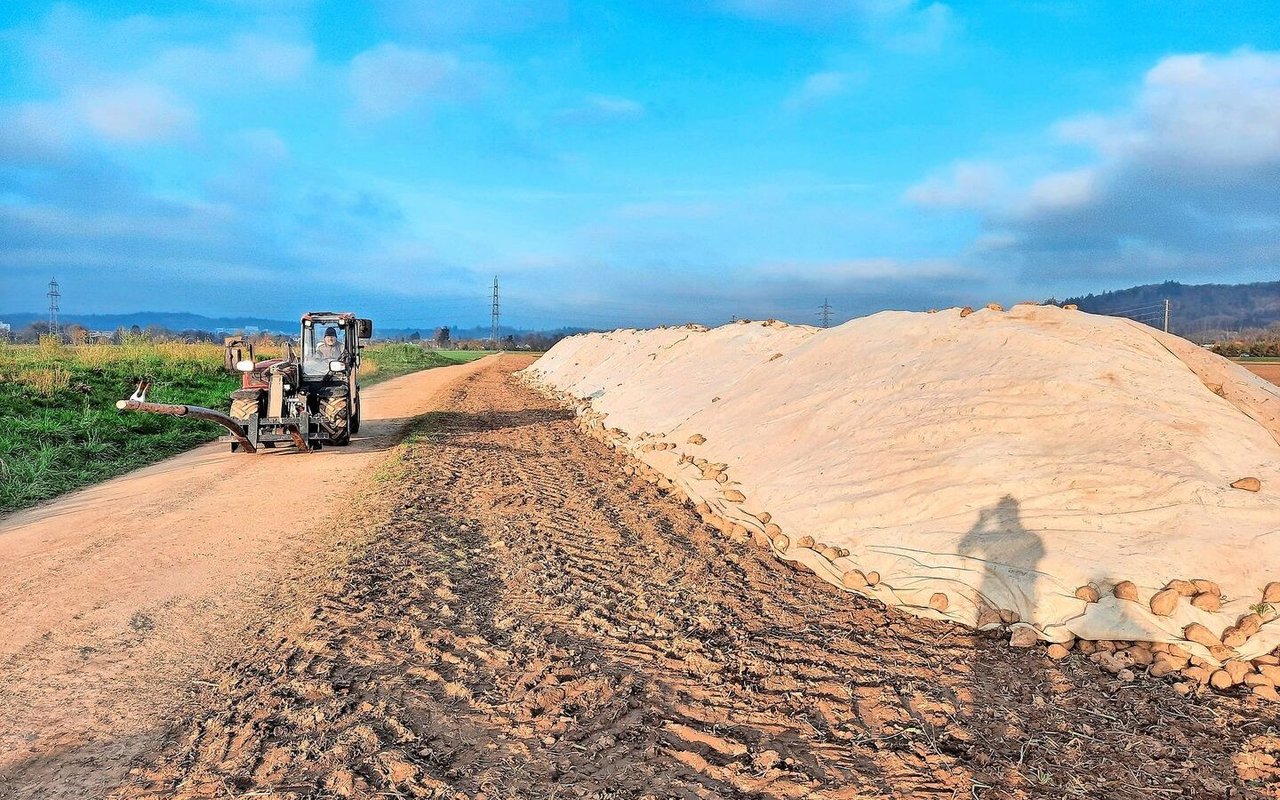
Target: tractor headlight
{"points": [[337, 366], [245, 366]]}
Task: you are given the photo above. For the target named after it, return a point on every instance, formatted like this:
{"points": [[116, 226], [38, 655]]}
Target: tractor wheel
{"points": [[242, 409], [336, 410], [355, 418]]}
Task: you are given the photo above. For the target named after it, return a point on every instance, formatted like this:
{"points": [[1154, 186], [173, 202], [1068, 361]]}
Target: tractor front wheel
{"points": [[355, 418], [337, 411], [242, 409]]}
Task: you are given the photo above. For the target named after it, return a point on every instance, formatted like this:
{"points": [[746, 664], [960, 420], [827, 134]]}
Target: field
{"points": [[525, 578], [1268, 369], [518, 613], [62, 430]]}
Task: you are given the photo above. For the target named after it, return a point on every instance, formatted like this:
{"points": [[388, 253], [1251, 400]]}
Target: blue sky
{"points": [[630, 163]]}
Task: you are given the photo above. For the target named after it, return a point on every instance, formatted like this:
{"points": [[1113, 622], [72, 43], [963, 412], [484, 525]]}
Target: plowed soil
{"points": [[529, 622], [118, 602], [1270, 372]]}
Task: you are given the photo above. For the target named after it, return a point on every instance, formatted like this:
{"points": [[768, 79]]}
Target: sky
{"points": [[630, 163]]}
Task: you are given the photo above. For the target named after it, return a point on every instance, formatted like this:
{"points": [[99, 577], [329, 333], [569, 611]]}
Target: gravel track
{"points": [[529, 622]]}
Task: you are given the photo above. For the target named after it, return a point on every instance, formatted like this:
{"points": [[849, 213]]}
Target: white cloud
{"points": [[869, 270], [261, 145], [923, 31], [245, 62], [33, 132], [1063, 190], [601, 109], [1195, 110], [907, 26], [1183, 178], [816, 10], [136, 113], [966, 184], [818, 88], [667, 210], [140, 79], [389, 79], [448, 20]]}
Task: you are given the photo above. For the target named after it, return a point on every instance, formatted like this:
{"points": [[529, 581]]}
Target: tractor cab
{"points": [[330, 345]]}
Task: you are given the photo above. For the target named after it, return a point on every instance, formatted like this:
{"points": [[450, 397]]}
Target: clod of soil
{"points": [[1088, 593], [1207, 602], [1164, 602], [1125, 590], [1195, 632], [1183, 588], [854, 579], [1206, 587], [1271, 593], [1023, 636]]}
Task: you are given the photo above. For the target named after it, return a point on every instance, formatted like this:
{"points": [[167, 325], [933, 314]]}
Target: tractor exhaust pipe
{"points": [[199, 412]]}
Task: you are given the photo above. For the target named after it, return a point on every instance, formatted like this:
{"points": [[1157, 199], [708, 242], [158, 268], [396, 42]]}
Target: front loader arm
{"points": [[139, 402]]}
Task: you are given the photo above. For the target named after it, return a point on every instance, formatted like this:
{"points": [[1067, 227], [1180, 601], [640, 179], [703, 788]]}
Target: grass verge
{"points": [[60, 430]]}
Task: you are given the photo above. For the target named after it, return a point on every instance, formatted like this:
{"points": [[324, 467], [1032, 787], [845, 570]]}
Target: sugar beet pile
{"points": [[1065, 475]]}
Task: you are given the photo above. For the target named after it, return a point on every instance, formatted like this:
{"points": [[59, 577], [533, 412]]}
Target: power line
{"points": [[826, 313], [1147, 307], [54, 295], [1154, 314], [494, 316]]}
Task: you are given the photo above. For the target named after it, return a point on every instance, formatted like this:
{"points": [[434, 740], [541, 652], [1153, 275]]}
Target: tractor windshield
{"points": [[321, 344]]}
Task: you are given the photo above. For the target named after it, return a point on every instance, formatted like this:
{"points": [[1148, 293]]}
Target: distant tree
{"points": [[442, 337], [197, 335], [415, 337], [76, 334], [31, 333], [1202, 312]]}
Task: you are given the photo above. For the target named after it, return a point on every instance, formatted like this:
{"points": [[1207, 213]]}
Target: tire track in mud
{"points": [[531, 623]]}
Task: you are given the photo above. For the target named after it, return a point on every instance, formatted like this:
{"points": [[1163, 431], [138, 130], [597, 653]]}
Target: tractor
{"points": [[310, 398]]}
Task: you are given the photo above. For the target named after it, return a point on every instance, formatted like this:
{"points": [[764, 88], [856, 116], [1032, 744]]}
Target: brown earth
{"points": [[528, 622], [1269, 372], [117, 601]]}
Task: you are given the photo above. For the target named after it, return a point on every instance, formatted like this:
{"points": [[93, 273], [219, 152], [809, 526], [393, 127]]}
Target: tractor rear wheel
{"points": [[336, 410], [242, 409]]}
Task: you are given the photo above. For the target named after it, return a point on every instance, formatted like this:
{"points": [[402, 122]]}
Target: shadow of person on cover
{"points": [[1011, 555]]}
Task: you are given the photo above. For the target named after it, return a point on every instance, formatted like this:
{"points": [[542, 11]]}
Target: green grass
{"points": [[393, 360], [60, 430]]}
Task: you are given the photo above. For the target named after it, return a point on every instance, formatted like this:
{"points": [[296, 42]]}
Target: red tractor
{"points": [[310, 399]]}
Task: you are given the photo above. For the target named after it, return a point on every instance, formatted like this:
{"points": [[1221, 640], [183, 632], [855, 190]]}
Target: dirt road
{"points": [[117, 600], [529, 622]]}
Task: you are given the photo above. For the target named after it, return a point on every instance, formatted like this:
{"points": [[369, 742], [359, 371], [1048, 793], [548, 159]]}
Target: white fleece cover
{"points": [[1003, 458]]}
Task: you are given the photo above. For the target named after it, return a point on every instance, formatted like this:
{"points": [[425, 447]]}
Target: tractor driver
{"points": [[328, 347]]}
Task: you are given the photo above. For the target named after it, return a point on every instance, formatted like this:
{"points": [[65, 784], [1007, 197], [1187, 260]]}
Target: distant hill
{"points": [[172, 320], [1210, 307], [179, 321]]}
